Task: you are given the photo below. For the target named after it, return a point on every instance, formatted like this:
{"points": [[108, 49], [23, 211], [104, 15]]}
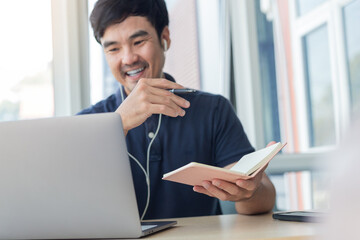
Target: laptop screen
{"points": [[66, 177]]}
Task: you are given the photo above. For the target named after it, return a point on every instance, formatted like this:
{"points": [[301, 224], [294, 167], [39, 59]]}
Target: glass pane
{"points": [[352, 40], [302, 190], [319, 88], [26, 89], [304, 6], [268, 76], [184, 45], [102, 82]]}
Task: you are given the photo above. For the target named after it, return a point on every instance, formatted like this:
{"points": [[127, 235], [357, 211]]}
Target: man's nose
{"points": [[129, 57]]}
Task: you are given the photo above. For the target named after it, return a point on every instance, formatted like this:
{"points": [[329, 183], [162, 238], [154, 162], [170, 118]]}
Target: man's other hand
{"points": [[248, 191]]}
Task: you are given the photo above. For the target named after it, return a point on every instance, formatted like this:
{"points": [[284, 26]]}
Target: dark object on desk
{"points": [[300, 216]]}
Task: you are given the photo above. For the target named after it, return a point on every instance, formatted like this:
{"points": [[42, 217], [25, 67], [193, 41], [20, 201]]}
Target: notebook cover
{"points": [[194, 173]]}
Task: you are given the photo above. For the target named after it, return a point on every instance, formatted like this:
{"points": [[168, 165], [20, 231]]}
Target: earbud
{"points": [[165, 45]]}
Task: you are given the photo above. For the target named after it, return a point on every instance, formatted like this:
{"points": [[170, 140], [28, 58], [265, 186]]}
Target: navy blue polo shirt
{"points": [[209, 133]]}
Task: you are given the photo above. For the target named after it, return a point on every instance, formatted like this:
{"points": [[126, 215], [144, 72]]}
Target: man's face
{"points": [[133, 51]]}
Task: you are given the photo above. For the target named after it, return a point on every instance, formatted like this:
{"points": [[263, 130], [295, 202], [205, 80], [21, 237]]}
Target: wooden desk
{"points": [[238, 227]]}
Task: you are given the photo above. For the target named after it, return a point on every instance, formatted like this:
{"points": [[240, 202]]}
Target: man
{"points": [[197, 127]]}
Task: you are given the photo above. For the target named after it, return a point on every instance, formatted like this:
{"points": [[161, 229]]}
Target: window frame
{"points": [[208, 19], [70, 56], [328, 13], [247, 70]]}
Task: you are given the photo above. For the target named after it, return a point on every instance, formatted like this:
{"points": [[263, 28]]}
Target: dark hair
{"points": [[109, 12]]}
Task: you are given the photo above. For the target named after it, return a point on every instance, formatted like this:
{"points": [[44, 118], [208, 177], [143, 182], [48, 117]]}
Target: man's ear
{"points": [[165, 36]]}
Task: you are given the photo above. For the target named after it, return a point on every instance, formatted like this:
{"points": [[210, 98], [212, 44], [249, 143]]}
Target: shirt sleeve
{"points": [[230, 140], [107, 105]]}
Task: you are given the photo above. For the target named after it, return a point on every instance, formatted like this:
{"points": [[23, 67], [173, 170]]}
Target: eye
{"points": [[138, 42], [113, 49]]}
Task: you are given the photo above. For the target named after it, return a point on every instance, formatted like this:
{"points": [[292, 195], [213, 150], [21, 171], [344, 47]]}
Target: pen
{"points": [[182, 90]]}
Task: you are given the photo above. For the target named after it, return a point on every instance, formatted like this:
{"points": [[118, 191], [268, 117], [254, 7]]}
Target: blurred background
{"points": [[291, 69]]}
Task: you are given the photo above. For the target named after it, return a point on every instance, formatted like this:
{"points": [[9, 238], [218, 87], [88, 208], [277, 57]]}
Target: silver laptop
{"points": [[68, 177]]}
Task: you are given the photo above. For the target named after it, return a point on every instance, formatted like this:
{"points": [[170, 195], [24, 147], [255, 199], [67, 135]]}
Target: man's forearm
{"points": [[262, 201]]}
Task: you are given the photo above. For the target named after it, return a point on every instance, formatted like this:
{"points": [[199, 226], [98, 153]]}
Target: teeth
{"points": [[134, 72]]}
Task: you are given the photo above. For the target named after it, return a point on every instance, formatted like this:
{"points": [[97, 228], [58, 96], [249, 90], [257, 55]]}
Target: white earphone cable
{"points": [[147, 166], [147, 172]]}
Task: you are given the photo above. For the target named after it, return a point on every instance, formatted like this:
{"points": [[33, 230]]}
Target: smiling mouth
{"points": [[134, 72]]}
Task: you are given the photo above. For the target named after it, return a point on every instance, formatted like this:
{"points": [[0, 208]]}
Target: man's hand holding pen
{"points": [[151, 96]]}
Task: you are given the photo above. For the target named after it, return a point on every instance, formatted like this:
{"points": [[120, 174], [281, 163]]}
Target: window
{"points": [[268, 76], [304, 6], [317, 51], [182, 59], [102, 82], [26, 88], [319, 89], [304, 66], [351, 14]]}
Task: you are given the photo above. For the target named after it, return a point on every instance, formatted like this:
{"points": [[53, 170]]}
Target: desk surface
{"points": [[238, 227]]}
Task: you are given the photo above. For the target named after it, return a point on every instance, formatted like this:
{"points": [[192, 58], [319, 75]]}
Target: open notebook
{"points": [[247, 167]]}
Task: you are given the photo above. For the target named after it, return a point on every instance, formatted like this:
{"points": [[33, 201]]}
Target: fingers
{"points": [[150, 92], [202, 190], [166, 110], [212, 191], [251, 184], [150, 96], [161, 83], [246, 184], [156, 101], [227, 191], [162, 96], [227, 187], [223, 193]]}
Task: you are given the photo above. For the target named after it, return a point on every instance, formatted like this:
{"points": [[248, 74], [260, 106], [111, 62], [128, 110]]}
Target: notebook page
{"points": [[250, 162]]}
